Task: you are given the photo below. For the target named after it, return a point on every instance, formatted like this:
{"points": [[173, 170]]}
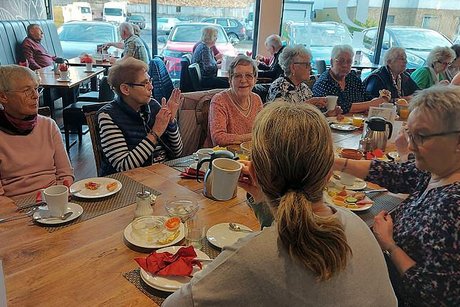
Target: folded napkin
{"points": [[191, 173], [377, 153], [167, 264]]}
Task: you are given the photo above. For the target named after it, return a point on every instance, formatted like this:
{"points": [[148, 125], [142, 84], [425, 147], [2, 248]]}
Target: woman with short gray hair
{"points": [[392, 76], [436, 64], [296, 64], [203, 55]]}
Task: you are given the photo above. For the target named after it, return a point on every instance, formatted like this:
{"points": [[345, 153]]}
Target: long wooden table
{"points": [[83, 263]]}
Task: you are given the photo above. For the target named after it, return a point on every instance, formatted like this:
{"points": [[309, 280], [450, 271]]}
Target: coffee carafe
{"points": [[207, 191], [378, 132]]}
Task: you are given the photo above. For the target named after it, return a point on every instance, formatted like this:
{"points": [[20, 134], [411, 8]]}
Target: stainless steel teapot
{"points": [[378, 132], [208, 175]]}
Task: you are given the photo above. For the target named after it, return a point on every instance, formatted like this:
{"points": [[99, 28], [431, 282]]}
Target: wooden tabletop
{"points": [[83, 263], [78, 74]]}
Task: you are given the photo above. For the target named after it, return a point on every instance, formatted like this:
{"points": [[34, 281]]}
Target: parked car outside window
{"points": [[181, 41], [233, 27], [137, 20], [79, 37], [417, 42], [165, 24]]}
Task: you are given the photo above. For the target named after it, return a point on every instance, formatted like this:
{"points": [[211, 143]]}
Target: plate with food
{"points": [[343, 127], [95, 187], [355, 201], [154, 231], [343, 121], [171, 283]]}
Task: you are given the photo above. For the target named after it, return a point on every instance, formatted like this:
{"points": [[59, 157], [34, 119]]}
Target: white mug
{"points": [[202, 154], [64, 74], [225, 175], [89, 66], [331, 102], [56, 197]]}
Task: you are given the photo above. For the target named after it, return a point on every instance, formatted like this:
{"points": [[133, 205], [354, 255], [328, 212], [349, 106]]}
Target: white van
{"points": [[115, 12], [80, 11]]}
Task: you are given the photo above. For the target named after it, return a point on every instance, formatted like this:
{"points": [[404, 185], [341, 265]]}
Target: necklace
{"points": [[244, 110]]}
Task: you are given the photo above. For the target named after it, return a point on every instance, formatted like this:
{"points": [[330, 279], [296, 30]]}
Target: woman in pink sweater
{"points": [[32, 155], [232, 112]]}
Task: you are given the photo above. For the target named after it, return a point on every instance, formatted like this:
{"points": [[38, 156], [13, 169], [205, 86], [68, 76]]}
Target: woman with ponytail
{"points": [[313, 254]]}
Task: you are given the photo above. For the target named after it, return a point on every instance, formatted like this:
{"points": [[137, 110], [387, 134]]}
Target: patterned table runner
{"points": [[95, 207], [182, 163], [381, 202]]}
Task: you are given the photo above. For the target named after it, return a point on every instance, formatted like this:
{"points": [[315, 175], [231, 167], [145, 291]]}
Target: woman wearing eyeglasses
{"points": [[232, 112], [32, 154], [340, 81], [292, 87], [136, 130], [421, 238], [432, 73]]}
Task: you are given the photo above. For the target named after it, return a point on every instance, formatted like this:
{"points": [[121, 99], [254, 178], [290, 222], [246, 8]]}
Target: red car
{"points": [[181, 40]]}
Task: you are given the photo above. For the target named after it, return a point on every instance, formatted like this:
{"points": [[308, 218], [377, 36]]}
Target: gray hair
{"points": [[274, 41], [440, 54], [208, 34], [11, 75], [126, 26], [392, 54], [289, 53], [125, 71], [442, 102], [31, 26], [136, 29], [339, 49], [242, 59]]}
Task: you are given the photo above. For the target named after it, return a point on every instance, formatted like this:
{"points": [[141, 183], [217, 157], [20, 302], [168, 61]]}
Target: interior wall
{"points": [[269, 22]]}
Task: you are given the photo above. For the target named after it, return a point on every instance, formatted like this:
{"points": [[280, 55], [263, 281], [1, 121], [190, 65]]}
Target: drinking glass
{"points": [[195, 232]]}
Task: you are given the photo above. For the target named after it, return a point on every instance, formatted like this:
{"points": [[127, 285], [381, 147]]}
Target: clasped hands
{"points": [[167, 113]]}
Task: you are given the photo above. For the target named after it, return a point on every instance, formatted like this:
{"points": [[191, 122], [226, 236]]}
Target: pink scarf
{"points": [[22, 125]]}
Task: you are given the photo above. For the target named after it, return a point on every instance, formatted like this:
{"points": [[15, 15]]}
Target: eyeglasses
{"points": [[241, 76], [444, 63], [144, 84], [307, 64], [343, 61], [418, 139], [29, 92]]}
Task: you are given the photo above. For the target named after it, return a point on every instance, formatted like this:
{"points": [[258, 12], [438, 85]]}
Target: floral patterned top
{"points": [[284, 88], [427, 228]]}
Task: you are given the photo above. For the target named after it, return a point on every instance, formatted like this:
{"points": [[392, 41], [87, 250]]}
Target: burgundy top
{"points": [[36, 54]]}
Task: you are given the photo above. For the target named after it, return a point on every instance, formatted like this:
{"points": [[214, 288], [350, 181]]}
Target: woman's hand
{"points": [[249, 183], [173, 103], [162, 119], [383, 230], [337, 112]]}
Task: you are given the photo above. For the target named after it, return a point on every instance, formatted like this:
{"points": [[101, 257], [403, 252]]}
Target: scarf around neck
{"points": [[15, 126]]}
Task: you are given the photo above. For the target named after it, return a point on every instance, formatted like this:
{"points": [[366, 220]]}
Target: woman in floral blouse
{"points": [[422, 238]]}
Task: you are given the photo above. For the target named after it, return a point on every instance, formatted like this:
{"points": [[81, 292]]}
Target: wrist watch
{"points": [[390, 249]]}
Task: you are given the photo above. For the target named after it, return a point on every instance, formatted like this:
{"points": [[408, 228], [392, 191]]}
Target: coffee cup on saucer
{"points": [[331, 102], [56, 197], [64, 75]]}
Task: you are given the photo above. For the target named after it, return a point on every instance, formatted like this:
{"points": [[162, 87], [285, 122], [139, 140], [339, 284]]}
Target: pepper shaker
{"points": [[143, 204]]}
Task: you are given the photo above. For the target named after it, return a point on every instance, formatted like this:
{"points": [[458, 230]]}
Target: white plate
{"points": [[75, 208], [63, 80], [128, 234], [100, 192], [220, 235], [359, 184], [343, 127], [170, 283], [329, 200], [344, 121]]}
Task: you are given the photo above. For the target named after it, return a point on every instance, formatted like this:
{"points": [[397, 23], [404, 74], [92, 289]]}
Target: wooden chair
{"points": [[91, 120], [44, 111]]}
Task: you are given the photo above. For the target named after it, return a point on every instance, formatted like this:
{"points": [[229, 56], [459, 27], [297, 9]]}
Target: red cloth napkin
{"points": [[191, 173], [167, 264], [377, 153]]}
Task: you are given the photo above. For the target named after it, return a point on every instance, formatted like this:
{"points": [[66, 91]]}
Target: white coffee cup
{"points": [[331, 102], [225, 174], [65, 75], [89, 66], [56, 197], [347, 179], [202, 154]]}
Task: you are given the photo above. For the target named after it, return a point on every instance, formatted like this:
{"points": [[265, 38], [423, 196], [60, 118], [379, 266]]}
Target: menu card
{"points": [[388, 113]]}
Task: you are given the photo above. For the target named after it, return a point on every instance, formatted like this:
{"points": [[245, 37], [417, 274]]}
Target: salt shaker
{"points": [[143, 204]]}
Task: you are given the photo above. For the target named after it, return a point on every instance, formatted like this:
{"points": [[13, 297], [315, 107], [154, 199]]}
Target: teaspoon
{"points": [[236, 227]]}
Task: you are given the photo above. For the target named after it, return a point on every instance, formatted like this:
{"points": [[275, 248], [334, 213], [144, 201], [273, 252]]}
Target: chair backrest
{"points": [[320, 66], [44, 111], [193, 119], [162, 83], [91, 120], [105, 91], [185, 84], [195, 76]]}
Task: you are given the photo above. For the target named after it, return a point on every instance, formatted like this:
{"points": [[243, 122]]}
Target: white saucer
{"points": [[170, 283], [63, 80], [220, 235], [359, 184], [75, 208], [343, 127]]}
